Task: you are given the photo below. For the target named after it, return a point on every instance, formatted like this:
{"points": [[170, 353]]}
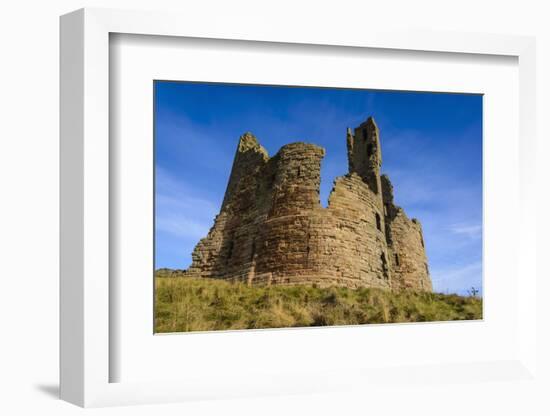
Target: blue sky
{"points": [[431, 149]]}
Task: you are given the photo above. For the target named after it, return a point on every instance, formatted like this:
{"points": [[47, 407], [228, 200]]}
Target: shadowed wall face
{"points": [[272, 228], [406, 249]]}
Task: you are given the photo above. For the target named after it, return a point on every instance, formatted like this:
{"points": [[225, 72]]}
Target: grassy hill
{"points": [[186, 304]]}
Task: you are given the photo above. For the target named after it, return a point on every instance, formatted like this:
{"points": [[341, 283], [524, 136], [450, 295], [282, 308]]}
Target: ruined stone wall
{"points": [[365, 154], [405, 245], [357, 251], [272, 229], [228, 249], [410, 264], [285, 238]]}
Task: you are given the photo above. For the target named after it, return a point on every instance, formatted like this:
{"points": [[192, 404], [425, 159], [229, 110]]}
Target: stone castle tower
{"points": [[272, 228]]}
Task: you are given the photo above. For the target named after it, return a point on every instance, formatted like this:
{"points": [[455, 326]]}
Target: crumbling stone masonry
{"points": [[272, 229]]}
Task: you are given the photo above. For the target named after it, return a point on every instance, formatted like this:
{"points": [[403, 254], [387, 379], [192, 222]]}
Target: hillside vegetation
{"points": [[188, 304]]}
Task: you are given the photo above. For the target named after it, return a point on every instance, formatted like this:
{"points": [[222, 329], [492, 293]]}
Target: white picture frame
{"points": [[86, 356]]}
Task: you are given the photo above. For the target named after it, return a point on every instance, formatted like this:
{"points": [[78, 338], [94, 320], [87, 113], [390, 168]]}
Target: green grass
{"points": [[185, 304]]}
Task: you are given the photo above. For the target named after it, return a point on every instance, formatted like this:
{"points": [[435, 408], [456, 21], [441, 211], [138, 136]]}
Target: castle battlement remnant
{"points": [[272, 228]]}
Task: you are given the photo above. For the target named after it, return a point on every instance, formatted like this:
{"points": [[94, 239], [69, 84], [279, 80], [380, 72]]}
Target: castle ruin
{"points": [[272, 228]]}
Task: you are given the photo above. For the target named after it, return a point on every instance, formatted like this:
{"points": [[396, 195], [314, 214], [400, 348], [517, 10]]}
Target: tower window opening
{"points": [[253, 250], [396, 259], [230, 250], [370, 150], [308, 249], [378, 222], [384, 265]]}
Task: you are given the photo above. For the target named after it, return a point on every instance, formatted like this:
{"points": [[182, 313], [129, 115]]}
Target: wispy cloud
{"points": [[472, 231], [182, 226], [181, 137], [432, 185], [458, 278], [184, 216], [174, 192], [183, 213], [456, 272]]}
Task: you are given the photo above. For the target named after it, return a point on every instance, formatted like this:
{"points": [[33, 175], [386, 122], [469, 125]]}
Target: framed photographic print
{"points": [[303, 237], [281, 212]]}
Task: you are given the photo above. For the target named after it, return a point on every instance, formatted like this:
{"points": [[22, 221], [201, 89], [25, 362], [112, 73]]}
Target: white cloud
{"points": [[458, 278], [181, 137], [180, 209], [457, 272], [472, 231], [182, 226]]}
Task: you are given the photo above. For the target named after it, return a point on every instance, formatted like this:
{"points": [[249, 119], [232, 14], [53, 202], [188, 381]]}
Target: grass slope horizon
{"points": [[185, 304]]}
